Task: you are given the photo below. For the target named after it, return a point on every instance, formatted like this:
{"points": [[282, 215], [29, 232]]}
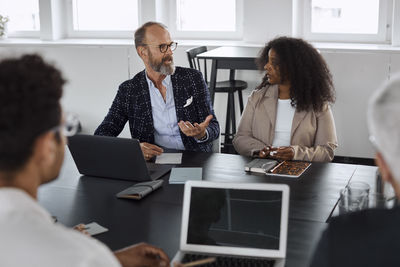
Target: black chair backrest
{"points": [[194, 61]]}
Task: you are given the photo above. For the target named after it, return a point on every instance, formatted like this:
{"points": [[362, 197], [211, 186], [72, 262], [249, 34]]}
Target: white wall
{"points": [[94, 73]]}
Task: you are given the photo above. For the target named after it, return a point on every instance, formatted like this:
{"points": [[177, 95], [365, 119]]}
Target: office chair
{"points": [[228, 86]]}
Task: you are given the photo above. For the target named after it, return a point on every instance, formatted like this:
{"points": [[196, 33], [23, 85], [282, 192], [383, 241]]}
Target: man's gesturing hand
{"points": [[195, 130]]}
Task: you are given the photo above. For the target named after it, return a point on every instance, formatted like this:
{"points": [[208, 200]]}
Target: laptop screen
{"points": [[235, 218]]}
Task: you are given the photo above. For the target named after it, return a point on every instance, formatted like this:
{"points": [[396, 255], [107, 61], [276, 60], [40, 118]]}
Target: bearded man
{"points": [[166, 106]]}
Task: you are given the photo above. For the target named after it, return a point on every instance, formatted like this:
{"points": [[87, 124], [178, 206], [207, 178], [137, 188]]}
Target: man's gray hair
{"points": [[140, 33], [384, 123]]}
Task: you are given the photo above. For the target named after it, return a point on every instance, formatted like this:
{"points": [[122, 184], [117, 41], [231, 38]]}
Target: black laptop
{"points": [[113, 157]]}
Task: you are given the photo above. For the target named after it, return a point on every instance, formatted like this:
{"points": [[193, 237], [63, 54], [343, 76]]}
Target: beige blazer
{"points": [[313, 134]]}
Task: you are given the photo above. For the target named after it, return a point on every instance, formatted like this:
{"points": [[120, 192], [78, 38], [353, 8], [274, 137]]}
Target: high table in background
{"points": [[156, 219]]}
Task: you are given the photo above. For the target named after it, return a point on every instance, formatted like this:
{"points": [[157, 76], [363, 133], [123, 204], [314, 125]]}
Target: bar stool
{"points": [[229, 86]]}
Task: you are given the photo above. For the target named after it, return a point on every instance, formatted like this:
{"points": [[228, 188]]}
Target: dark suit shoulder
{"points": [[366, 238], [181, 71], [366, 219], [138, 81]]}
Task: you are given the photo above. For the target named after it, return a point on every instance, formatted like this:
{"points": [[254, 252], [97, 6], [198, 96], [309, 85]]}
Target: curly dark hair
{"points": [[300, 63], [30, 90]]}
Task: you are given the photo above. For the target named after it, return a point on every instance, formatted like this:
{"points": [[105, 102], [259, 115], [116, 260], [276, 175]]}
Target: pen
{"points": [[276, 167], [199, 262]]}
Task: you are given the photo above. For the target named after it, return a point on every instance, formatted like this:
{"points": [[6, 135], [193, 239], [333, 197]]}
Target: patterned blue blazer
{"points": [[132, 103]]}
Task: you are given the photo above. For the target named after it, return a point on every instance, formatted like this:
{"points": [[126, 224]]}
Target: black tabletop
{"points": [[156, 219]]}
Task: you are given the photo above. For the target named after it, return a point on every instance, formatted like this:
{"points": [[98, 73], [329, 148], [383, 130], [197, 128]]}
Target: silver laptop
{"points": [[113, 157], [240, 224]]}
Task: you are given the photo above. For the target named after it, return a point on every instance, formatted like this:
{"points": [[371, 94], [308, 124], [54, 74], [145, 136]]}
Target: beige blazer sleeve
{"points": [[325, 140], [245, 142]]}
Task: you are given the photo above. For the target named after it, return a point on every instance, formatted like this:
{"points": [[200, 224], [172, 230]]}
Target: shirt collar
{"points": [[166, 81]]}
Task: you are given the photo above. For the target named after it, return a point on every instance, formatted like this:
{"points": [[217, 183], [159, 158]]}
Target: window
{"points": [[344, 20], [206, 19], [103, 18], [23, 15]]}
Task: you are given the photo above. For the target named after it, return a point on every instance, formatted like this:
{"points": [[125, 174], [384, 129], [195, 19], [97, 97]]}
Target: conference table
{"points": [[156, 219]]}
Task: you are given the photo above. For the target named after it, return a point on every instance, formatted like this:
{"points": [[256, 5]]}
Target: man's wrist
{"points": [[204, 137]]}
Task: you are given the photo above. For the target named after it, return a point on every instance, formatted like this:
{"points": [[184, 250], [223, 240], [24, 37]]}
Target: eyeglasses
{"points": [[164, 47], [69, 126]]}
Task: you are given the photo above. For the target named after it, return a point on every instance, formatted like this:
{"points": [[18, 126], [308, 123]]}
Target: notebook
{"points": [[113, 157], [182, 175], [260, 165], [140, 190], [286, 168], [234, 222]]}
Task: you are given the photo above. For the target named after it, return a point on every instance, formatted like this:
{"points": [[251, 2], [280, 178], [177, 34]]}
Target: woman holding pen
{"points": [[288, 116]]}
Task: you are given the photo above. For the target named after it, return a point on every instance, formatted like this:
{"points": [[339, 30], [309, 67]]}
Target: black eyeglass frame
{"points": [[164, 47]]}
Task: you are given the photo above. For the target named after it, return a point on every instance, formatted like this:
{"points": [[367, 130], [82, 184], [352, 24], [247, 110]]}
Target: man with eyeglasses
{"points": [[166, 106], [371, 237], [32, 143]]}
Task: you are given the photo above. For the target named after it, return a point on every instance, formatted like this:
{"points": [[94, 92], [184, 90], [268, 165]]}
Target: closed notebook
{"points": [[140, 190], [181, 175], [260, 165]]}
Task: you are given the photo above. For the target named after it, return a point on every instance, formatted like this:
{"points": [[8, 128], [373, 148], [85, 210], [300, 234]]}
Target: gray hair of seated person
{"points": [[140, 33], [384, 123]]}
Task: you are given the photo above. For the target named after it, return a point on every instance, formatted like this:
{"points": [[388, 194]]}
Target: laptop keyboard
{"points": [[229, 261]]}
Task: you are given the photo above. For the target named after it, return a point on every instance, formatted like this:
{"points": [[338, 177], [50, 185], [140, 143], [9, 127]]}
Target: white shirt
{"points": [[28, 237], [165, 121], [283, 124]]}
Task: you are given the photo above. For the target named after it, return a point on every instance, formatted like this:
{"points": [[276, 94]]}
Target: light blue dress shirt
{"points": [[166, 129]]}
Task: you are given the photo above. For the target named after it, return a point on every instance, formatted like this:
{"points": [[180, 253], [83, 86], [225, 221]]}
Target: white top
{"points": [[28, 237], [283, 124]]}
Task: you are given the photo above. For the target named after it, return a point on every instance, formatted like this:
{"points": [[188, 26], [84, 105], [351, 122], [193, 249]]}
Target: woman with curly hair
{"points": [[288, 116]]}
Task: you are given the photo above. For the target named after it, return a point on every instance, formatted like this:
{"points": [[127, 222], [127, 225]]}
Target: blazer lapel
{"points": [[297, 118], [270, 104], [144, 98], [180, 96]]}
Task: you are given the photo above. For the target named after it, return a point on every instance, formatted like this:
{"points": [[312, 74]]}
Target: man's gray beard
{"points": [[162, 68], [167, 69]]}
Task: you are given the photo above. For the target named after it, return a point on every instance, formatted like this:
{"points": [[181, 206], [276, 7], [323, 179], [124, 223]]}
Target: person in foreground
{"points": [[166, 106], [371, 237], [32, 144], [288, 116]]}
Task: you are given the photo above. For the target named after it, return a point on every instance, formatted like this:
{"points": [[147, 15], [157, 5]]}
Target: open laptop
{"points": [[239, 224], [113, 157]]}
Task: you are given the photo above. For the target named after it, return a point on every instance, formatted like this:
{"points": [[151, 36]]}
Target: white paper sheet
{"points": [[95, 228], [169, 158]]}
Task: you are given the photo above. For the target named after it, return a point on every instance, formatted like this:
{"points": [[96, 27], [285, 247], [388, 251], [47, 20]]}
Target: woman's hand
{"points": [[280, 153], [264, 153]]}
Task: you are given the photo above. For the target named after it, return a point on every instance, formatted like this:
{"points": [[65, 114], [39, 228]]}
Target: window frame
{"points": [[71, 33], [215, 35], [27, 33], [24, 34], [384, 27]]}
